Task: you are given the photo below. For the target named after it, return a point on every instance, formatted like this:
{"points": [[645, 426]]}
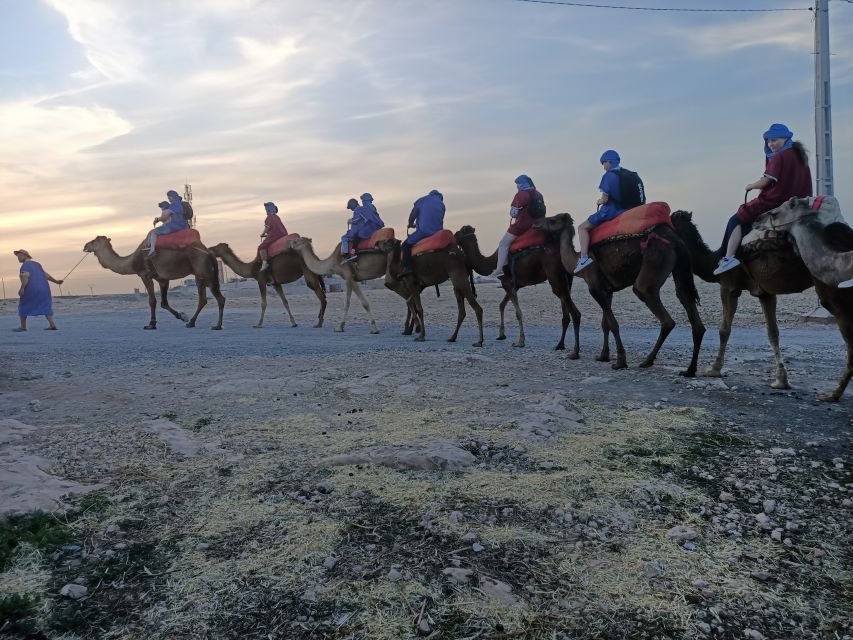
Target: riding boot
{"points": [[406, 250]]}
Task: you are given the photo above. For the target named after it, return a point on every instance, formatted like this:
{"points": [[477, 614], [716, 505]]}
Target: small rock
{"points": [[73, 591], [725, 496], [423, 628], [70, 548], [455, 517], [394, 575], [470, 537], [704, 628], [689, 546], [752, 634], [201, 546], [777, 535], [477, 547], [763, 521], [330, 562], [769, 506], [682, 533], [700, 584], [546, 465], [458, 575], [36, 405], [498, 590], [121, 546], [324, 486]]}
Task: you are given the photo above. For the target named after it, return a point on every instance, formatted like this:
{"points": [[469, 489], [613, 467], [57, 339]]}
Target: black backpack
{"points": [[537, 205], [188, 210], [631, 189]]}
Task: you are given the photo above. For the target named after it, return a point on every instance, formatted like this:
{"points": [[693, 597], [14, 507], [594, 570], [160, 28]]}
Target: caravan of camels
{"points": [[626, 242]]}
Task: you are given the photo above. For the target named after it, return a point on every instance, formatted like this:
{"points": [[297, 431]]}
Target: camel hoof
{"points": [[619, 364], [688, 373], [645, 364], [374, 331], [452, 339], [560, 347], [780, 384], [184, 317], [478, 344], [258, 326], [827, 397], [190, 325], [293, 324], [604, 357], [216, 328], [339, 329], [420, 339], [574, 355], [711, 372], [501, 338], [150, 327], [520, 345], [319, 325]]}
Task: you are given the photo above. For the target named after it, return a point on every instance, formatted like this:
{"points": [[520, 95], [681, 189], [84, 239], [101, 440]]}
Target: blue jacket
{"points": [[610, 185], [428, 214], [365, 221]]}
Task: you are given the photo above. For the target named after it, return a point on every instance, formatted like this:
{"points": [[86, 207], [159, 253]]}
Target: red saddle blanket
{"points": [[178, 239], [632, 222], [386, 233], [530, 238], [440, 240], [280, 245]]}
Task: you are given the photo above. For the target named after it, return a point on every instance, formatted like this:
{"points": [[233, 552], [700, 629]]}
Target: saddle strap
{"points": [[652, 236]]}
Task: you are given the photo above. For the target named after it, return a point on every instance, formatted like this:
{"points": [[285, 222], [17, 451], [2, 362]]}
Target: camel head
{"points": [[101, 242], [220, 249], [300, 243], [800, 210], [556, 224], [465, 232]]}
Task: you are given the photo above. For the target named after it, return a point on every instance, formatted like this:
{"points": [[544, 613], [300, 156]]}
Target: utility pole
{"points": [[823, 103], [188, 197]]}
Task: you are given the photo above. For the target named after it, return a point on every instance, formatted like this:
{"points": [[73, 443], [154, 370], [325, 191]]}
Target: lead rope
{"points": [[85, 255]]}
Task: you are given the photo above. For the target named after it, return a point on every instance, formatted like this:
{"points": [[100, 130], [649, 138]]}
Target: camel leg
{"points": [[164, 301], [502, 307], [313, 281], [768, 305], [698, 330], [342, 326], [280, 291], [202, 301], [262, 285], [575, 317], [521, 338], [152, 303], [463, 291], [460, 313], [419, 316], [846, 329], [478, 311], [608, 322], [729, 299], [220, 302], [409, 324], [366, 305], [651, 298]]}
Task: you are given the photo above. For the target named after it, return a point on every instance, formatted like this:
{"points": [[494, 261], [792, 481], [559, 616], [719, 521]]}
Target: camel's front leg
{"points": [[419, 316], [469, 295], [521, 340], [343, 325], [768, 305], [651, 297], [280, 291], [220, 302], [607, 298], [608, 322], [729, 300], [262, 285], [575, 318], [502, 307], [316, 284], [366, 305], [152, 303], [202, 301], [164, 301], [460, 313]]}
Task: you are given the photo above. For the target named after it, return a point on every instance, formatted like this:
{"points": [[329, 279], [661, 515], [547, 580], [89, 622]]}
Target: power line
{"points": [[590, 5]]}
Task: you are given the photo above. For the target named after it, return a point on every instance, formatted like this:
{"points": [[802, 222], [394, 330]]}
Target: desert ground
{"points": [[301, 483]]}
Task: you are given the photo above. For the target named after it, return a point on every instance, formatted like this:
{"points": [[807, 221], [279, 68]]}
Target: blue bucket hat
{"points": [[436, 192], [164, 204], [352, 204], [366, 197], [610, 156], [270, 207], [525, 182], [778, 131], [172, 194]]}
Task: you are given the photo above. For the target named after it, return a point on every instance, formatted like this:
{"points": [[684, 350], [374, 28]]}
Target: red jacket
{"points": [[789, 177]]}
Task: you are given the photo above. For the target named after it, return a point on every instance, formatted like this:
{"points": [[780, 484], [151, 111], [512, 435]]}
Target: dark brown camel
{"points": [[165, 265], [532, 267], [775, 270], [284, 268], [643, 262], [430, 269]]}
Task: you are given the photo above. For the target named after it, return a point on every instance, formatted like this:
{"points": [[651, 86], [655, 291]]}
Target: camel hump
{"points": [[528, 239], [439, 240], [178, 239], [633, 222], [282, 244], [385, 233]]}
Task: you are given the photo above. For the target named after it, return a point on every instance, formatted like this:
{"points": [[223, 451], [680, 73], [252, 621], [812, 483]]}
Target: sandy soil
{"points": [[302, 483]]}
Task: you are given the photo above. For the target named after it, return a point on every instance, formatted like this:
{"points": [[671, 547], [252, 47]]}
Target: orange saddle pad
{"points": [[280, 245], [385, 233], [178, 239], [436, 241], [530, 238], [632, 222]]}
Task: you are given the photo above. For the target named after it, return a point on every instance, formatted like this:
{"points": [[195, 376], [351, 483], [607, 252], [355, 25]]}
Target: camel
{"points": [[531, 267], [775, 270], [284, 268], [165, 265], [367, 267], [431, 269], [825, 243], [645, 262]]}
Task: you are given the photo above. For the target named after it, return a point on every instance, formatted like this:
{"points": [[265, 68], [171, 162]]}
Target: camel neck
{"points": [[315, 264], [484, 265], [242, 269], [109, 259]]}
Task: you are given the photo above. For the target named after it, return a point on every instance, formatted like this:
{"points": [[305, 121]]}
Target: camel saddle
{"points": [[632, 223], [435, 242], [281, 245], [385, 233], [530, 239], [178, 239]]}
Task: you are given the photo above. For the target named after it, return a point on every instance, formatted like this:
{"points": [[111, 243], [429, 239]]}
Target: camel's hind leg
{"points": [[502, 307], [418, 308], [280, 291], [768, 305], [463, 291], [521, 338], [460, 313], [164, 302], [698, 330], [608, 322], [651, 297], [262, 285], [220, 302], [560, 285], [152, 303], [316, 284], [729, 299], [202, 301]]}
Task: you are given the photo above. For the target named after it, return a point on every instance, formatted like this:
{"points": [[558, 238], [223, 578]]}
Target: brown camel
{"points": [[825, 242], [368, 266], [431, 269], [772, 271], [532, 267], [165, 265], [642, 261], [284, 268]]}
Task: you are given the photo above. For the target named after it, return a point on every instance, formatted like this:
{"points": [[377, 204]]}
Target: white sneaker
{"points": [[845, 284], [264, 265], [583, 263], [726, 264]]}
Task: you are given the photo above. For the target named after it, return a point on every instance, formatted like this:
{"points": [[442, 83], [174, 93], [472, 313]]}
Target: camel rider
{"points": [[786, 175], [609, 204], [427, 218], [172, 217], [364, 223], [521, 211], [274, 229]]}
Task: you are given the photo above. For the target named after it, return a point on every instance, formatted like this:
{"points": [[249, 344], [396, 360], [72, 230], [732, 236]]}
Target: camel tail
{"points": [[682, 274]]}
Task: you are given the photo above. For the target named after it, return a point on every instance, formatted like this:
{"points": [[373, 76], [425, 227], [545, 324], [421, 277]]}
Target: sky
{"points": [[107, 104]]}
